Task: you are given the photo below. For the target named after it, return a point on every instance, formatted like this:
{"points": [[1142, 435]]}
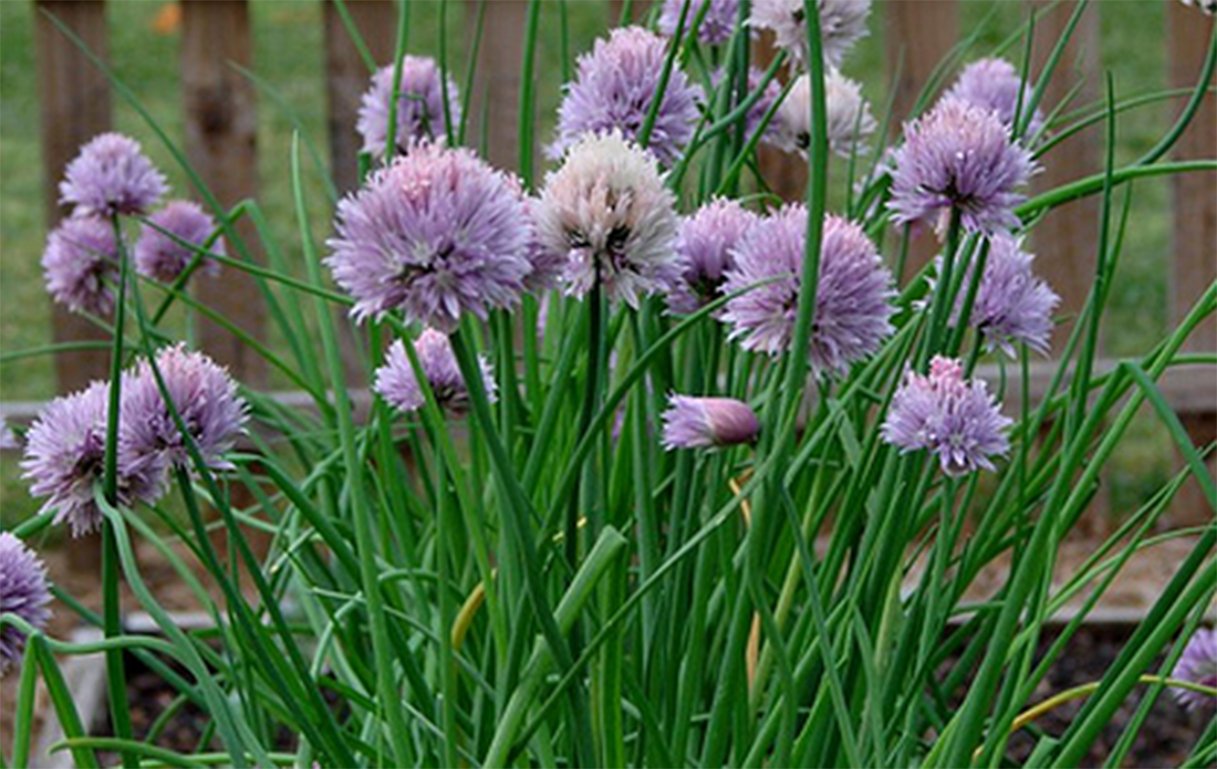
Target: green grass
{"points": [[288, 54]]}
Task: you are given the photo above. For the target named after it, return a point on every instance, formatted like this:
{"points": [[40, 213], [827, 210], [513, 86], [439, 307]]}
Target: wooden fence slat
{"points": [[785, 174], [919, 33], [1065, 239], [496, 82], [74, 98], [347, 77], [1194, 251], [221, 143]]}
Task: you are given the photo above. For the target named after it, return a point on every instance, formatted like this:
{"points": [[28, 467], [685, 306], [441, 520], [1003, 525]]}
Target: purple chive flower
{"points": [[995, 84], [206, 399], [111, 175], [64, 458], [613, 90], [848, 120], [716, 27], [79, 262], [691, 423], [437, 233], [960, 157], [609, 215], [23, 592], [8, 439], [159, 256], [955, 419], [1197, 664], [704, 242], [853, 296], [420, 105], [396, 383], [842, 23], [1012, 304]]}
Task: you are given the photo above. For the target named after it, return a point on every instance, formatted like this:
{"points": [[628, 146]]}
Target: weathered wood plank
{"points": [[494, 107], [347, 77], [221, 143], [74, 101]]}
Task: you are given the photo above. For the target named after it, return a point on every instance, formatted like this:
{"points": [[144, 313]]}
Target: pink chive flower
{"points": [[420, 106], [160, 257], [716, 27], [613, 89], [853, 296], [396, 383], [1197, 664], [80, 263], [842, 24], [995, 84], [23, 592], [436, 234], [959, 157], [704, 242], [206, 399], [111, 175], [957, 420], [607, 213], [64, 458], [691, 423]]}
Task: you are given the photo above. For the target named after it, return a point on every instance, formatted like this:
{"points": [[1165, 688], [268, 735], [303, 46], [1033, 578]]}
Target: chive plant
{"points": [[657, 469]]}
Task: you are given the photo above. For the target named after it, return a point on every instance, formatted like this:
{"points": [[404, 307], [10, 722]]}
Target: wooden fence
{"points": [[219, 109]]}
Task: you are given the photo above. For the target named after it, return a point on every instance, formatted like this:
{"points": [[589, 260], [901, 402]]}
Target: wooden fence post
{"points": [[496, 81], [75, 106], [919, 35], [347, 77], [221, 143], [1065, 240], [638, 11], [1194, 252]]}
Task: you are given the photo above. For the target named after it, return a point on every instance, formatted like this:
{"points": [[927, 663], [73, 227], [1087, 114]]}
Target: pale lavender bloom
{"points": [[957, 420], [160, 257], [79, 263], [607, 212], [420, 105], [64, 458], [111, 175], [1012, 304], [691, 423], [1197, 664], [396, 383], [853, 295], [613, 89], [716, 27], [704, 242], [437, 233], [995, 84], [8, 439], [848, 119], [206, 399], [23, 592], [960, 157], [842, 23]]}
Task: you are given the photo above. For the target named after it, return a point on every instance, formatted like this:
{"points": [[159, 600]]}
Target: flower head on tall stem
{"points": [[842, 24], [613, 90], [397, 384], [436, 234], [110, 176], [716, 26], [959, 156], [1197, 664], [65, 456], [848, 118], [853, 296], [608, 212], [996, 85], [23, 592], [704, 242], [1012, 304], [79, 264], [691, 422], [159, 256], [420, 106], [957, 420]]}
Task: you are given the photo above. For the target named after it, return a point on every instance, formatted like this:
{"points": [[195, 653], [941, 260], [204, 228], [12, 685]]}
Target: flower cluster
{"points": [[613, 90], [704, 242], [111, 175], [848, 118], [397, 384], [1012, 304], [842, 24], [421, 110], [995, 85], [1198, 664], [23, 592], [80, 263], [957, 420], [716, 26], [163, 250]]}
